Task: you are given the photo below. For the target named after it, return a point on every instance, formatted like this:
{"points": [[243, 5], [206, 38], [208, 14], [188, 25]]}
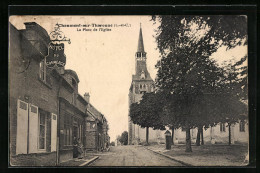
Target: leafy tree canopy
{"points": [[146, 112]]}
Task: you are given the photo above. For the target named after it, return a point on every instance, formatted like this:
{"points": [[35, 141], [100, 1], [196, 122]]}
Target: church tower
{"points": [[141, 83]]}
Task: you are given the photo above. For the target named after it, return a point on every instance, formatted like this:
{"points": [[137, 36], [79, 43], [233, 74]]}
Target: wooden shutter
{"points": [[53, 132], [22, 127], [33, 128]]}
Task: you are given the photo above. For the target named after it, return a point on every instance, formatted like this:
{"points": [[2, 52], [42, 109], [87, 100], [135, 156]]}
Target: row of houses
{"points": [[46, 112]]}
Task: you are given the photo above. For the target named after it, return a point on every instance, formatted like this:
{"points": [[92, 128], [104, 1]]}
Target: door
{"points": [[75, 141], [75, 133]]}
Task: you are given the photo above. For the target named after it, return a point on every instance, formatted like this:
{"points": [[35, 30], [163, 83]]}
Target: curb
{"points": [[89, 161], [170, 157]]}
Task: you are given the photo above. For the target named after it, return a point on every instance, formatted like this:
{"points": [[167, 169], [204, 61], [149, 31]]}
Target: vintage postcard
{"points": [[139, 90]]}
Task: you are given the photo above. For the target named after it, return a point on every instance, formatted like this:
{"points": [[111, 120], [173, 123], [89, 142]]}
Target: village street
{"points": [[131, 155]]}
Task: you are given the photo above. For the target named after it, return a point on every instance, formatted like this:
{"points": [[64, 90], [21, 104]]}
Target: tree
{"points": [[233, 86], [185, 71], [146, 113], [124, 138]]}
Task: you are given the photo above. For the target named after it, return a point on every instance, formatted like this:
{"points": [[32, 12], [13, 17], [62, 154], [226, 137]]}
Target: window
{"points": [[92, 125], [183, 129], [136, 89], [42, 130], [42, 72], [67, 130], [242, 126], [222, 127], [142, 75]]}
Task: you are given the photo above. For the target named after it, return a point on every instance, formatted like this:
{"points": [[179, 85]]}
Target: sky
{"points": [[105, 61]]}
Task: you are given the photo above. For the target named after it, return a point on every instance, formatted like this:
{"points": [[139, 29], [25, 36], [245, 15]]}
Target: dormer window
{"points": [[73, 82]]}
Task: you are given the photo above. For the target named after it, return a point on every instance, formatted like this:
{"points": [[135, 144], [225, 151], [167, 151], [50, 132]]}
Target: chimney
{"points": [[86, 97]]}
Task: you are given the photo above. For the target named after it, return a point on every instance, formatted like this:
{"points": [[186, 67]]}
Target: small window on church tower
{"points": [[151, 88], [142, 75]]}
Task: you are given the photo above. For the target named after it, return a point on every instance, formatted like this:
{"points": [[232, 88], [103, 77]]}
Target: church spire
{"points": [[140, 47]]}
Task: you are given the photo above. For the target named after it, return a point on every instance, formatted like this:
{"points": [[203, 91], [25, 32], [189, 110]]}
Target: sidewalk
{"points": [[89, 158], [205, 155]]}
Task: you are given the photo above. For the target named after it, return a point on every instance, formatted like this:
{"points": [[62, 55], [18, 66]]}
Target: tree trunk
{"points": [[188, 140], [147, 135], [198, 137], [229, 134], [201, 132], [172, 135]]}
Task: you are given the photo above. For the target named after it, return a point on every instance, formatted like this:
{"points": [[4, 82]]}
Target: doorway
{"points": [[75, 139]]}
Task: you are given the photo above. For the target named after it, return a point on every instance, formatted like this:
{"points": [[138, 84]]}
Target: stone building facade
{"points": [[46, 112], [218, 134], [141, 83]]}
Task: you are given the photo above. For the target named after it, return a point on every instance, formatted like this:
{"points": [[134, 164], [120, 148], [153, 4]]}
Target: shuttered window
{"points": [[22, 127], [42, 129], [33, 129], [53, 132], [23, 105]]}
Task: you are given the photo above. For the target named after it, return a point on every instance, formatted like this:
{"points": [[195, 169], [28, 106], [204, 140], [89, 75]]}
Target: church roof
{"points": [[140, 47], [141, 65]]}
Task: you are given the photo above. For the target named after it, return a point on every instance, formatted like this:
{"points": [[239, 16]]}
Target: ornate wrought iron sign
{"points": [[58, 35]]}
